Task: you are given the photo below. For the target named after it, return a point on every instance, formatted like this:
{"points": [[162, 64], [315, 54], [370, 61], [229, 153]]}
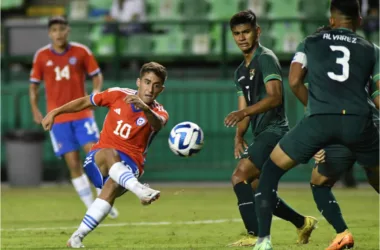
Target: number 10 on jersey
{"points": [[122, 130]]}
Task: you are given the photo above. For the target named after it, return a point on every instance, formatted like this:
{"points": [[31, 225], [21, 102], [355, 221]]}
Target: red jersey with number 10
{"points": [[64, 75], [125, 127]]}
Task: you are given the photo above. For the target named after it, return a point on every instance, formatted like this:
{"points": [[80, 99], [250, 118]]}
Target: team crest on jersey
{"points": [[73, 60], [141, 121], [251, 74]]}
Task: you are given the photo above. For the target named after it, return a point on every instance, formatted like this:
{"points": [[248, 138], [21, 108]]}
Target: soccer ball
{"points": [[186, 139]]}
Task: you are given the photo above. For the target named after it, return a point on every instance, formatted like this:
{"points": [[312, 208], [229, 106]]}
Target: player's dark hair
{"points": [[348, 8], [243, 17], [156, 68], [323, 28], [57, 20]]}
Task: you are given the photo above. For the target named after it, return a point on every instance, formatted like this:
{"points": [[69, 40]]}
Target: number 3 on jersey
{"points": [[122, 130], [342, 61], [60, 74]]}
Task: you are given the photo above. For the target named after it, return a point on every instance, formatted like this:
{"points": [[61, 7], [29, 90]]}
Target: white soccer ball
{"points": [[186, 139]]}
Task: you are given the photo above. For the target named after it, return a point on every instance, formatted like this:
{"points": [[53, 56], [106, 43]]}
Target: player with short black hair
{"points": [[338, 64], [117, 160], [260, 100], [57, 20]]}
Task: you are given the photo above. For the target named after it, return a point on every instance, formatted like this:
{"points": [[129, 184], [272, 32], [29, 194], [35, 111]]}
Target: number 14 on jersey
{"points": [[62, 73]]}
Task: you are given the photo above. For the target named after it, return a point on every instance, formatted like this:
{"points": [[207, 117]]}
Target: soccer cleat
{"points": [[147, 195], [75, 241], [247, 241], [266, 244], [305, 231], [113, 214], [343, 240]]}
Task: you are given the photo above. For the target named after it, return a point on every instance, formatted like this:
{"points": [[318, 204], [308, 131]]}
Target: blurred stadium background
{"points": [[192, 39]]}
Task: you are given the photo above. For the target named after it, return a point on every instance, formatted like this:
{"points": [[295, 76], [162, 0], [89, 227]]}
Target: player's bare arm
{"points": [[71, 107], [97, 83], [154, 120], [241, 128], [296, 81], [271, 101], [33, 97]]}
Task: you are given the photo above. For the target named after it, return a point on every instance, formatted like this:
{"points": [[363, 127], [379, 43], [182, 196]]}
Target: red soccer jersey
{"points": [[64, 76], [126, 128]]}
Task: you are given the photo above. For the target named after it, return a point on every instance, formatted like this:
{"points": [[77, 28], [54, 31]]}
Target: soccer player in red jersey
{"points": [[117, 159], [63, 67]]}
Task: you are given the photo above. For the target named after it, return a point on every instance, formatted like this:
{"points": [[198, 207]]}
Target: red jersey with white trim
{"points": [[125, 127], [64, 76]]}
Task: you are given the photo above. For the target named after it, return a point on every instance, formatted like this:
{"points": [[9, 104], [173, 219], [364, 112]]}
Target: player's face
{"points": [[149, 87], [58, 33], [245, 36]]}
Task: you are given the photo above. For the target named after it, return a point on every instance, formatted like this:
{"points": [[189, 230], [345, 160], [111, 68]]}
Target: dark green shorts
{"points": [[357, 133], [338, 159], [261, 147]]}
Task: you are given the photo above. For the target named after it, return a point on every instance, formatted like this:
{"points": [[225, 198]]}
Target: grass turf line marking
{"points": [[159, 223]]}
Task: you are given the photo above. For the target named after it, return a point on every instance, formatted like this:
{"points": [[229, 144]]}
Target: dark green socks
{"points": [[246, 204], [328, 207]]}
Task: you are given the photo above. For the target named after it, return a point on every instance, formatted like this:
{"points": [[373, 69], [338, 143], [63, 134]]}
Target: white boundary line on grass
{"points": [[159, 223]]}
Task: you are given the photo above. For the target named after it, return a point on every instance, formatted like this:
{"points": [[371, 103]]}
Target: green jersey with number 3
{"points": [[339, 65]]}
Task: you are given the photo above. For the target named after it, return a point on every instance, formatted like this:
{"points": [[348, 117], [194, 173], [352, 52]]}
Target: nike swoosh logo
{"points": [[341, 240]]}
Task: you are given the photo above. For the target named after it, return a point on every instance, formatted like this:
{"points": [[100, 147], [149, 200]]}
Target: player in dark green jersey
{"points": [[330, 164], [339, 64], [260, 100]]}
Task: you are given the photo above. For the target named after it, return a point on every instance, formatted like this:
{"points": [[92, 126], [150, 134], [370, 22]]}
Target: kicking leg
{"points": [[109, 163]]}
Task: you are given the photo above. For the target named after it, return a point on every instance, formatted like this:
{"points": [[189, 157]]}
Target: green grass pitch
{"points": [[183, 218]]}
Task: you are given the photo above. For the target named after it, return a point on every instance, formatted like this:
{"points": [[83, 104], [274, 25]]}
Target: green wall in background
{"points": [[205, 103]]}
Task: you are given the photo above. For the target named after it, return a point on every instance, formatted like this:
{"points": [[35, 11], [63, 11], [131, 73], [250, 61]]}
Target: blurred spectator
{"points": [[371, 10], [128, 11]]}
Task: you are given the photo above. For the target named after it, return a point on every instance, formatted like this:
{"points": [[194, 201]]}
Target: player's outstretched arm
{"points": [[71, 107], [296, 81]]}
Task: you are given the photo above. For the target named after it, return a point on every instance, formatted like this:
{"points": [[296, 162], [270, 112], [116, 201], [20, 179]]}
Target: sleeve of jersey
{"points": [[103, 99], [238, 88], [162, 113], [270, 68], [376, 73], [300, 56], [91, 64], [36, 72]]}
